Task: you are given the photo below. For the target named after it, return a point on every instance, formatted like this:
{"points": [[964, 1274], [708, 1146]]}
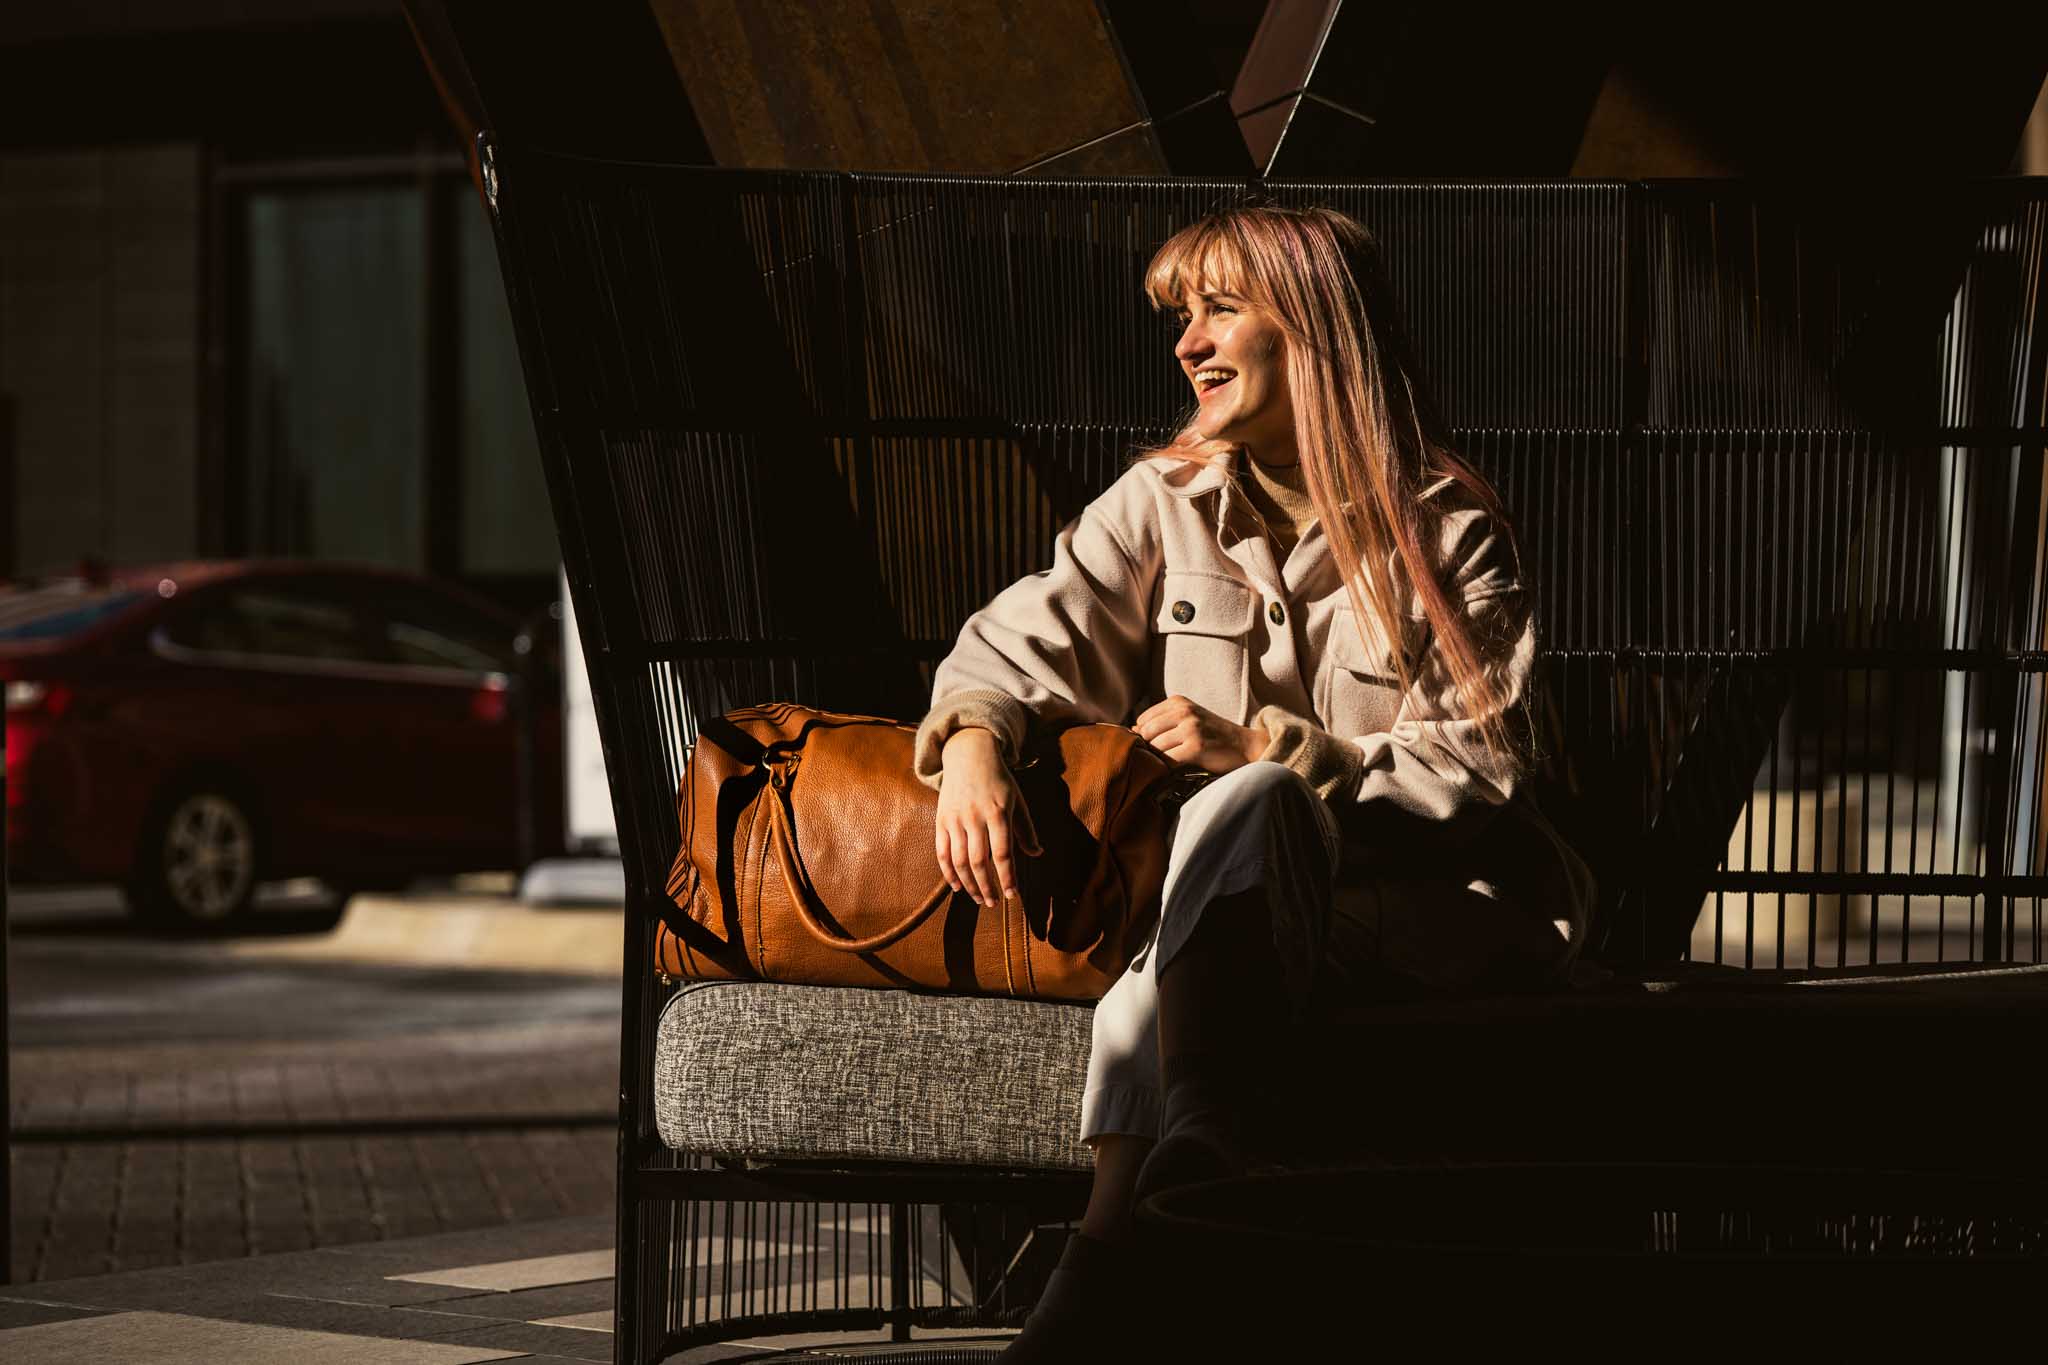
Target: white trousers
{"points": [[1258, 823], [1341, 932]]}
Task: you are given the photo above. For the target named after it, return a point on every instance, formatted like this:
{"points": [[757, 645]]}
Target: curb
{"points": [[472, 932]]}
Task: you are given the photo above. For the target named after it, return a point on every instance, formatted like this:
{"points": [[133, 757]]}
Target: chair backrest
{"points": [[798, 426]]}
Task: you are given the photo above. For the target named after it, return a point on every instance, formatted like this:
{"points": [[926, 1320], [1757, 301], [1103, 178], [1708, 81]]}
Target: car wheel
{"points": [[197, 868]]}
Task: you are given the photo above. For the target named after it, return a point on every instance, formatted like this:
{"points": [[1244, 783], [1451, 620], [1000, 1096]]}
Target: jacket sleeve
{"points": [[1338, 768], [1067, 645], [1428, 782]]}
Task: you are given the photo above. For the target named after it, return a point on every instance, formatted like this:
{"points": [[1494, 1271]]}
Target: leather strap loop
{"points": [[785, 849]]}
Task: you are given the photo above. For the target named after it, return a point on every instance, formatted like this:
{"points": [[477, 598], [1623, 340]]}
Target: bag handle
{"points": [[785, 821]]}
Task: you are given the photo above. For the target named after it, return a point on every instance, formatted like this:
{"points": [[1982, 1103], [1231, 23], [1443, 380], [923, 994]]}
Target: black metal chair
{"points": [[1777, 475]]}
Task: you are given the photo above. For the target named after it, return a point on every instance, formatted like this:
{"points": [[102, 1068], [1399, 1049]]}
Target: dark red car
{"points": [[190, 730]]}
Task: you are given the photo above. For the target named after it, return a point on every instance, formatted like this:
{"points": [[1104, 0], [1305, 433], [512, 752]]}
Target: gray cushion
{"points": [[752, 1069]]}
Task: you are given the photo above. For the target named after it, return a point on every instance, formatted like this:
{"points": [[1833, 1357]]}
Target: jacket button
{"points": [[1183, 612], [1276, 615]]}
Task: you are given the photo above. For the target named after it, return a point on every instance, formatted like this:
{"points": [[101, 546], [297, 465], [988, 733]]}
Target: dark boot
{"points": [[1205, 1130], [1090, 1311]]}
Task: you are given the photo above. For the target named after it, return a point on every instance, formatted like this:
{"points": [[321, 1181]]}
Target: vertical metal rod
{"points": [[6, 1078], [691, 1222], [899, 1272]]}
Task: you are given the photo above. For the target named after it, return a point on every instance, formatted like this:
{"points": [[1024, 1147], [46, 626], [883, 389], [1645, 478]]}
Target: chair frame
{"points": [[1672, 825]]}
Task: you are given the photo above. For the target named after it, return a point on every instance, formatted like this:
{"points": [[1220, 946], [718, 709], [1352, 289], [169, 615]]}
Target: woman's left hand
{"points": [[1186, 733]]}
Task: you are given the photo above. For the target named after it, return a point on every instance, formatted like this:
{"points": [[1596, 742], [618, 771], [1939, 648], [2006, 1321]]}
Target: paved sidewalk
{"points": [[177, 1102], [538, 1292], [464, 928], [303, 1145]]}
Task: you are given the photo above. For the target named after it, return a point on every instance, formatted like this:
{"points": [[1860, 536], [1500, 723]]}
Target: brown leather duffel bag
{"points": [[807, 856]]}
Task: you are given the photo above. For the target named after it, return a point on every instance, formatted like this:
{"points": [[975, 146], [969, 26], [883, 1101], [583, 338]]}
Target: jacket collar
{"points": [[1185, 480], [1193, 481]]}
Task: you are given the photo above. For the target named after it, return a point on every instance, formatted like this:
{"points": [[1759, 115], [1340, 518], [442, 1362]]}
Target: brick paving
{"points": [[559, 1068], [174, 1103], [90, 1209], [103, 1205]]}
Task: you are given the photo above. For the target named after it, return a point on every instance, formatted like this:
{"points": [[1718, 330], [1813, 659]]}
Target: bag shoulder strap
{"points": [[781, 812]]}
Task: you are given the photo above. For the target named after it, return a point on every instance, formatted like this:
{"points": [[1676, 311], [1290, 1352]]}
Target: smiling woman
{"points": [[1309, 594], [1235, 355]]}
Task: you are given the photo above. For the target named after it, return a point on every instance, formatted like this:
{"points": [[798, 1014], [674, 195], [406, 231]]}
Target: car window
{"points": [[278, 624], [437, 633], [413, 644], [52, 611]]}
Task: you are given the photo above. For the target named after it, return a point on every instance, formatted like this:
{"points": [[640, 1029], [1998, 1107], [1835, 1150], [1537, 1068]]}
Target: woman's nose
{"points": [[1194, 343]]}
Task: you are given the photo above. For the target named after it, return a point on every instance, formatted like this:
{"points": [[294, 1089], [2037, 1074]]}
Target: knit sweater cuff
{"points": [[995, 711], [1330, 765]]}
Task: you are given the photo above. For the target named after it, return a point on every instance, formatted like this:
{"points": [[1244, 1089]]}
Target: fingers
{"points": [[981, 875], [1188, 733], [1179, 742], [999, 854], [1162, 717], [975, 851], [953, 855], [960, 851]]}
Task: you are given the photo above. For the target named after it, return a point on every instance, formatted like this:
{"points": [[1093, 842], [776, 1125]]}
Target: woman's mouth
{"points": [[1208, 381]]}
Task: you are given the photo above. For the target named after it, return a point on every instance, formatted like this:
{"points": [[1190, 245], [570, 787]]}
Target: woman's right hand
{"points": [[982, 818]]}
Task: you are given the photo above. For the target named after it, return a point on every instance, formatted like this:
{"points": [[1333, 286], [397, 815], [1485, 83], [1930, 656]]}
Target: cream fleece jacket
{"points": [[1164, 586]]}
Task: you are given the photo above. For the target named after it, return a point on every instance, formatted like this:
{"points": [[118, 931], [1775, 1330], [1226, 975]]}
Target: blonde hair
{"points": [[1368, 431]]}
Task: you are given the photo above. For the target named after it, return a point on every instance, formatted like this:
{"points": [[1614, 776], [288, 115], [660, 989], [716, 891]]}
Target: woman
{"points": [[1309, 594]]}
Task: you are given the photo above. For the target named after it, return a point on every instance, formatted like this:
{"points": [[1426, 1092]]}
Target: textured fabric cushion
{"points": [[752, 1069]]}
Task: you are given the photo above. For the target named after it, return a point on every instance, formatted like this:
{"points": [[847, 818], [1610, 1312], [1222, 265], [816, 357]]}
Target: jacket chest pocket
{"points": [[1359, 688], [1203, 626]]}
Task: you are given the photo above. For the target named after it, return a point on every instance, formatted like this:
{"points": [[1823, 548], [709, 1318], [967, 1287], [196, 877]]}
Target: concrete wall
{"points": [[99, 354]]}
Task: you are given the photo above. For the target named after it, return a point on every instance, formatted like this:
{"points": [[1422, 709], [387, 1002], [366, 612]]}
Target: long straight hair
{"points": [[1369, 432]]}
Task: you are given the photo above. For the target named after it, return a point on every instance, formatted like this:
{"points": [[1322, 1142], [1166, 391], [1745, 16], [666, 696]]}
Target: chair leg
{"points": [[629, 1287], [899, 1271]]}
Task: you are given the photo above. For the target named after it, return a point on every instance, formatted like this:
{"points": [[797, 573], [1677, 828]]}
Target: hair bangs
{"points": [[1202, 257]]}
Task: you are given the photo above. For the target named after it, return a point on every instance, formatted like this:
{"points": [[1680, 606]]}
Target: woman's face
{"points": [[1236, 358]]}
